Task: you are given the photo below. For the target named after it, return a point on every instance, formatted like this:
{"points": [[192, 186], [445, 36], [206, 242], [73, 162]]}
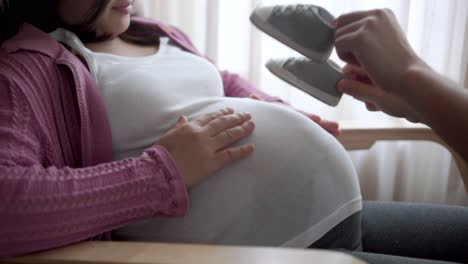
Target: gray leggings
{"points": [[387, 233]]}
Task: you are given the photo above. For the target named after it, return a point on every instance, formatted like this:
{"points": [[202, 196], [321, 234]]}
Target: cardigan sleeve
{"points": [[43, 207]]}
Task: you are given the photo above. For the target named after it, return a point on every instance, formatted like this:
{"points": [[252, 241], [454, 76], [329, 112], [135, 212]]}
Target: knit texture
{"points": [[58, 184]]}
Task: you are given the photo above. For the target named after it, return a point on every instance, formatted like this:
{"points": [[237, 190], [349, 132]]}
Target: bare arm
{"points": [[400, 83], [440, 104]]}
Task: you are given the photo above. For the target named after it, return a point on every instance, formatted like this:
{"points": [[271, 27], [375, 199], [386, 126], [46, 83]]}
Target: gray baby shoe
{"points": [[305, 28], [317, 79]]}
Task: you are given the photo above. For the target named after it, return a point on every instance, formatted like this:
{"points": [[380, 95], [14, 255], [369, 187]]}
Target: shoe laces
{"points": [[297, 61], [294, 9]]}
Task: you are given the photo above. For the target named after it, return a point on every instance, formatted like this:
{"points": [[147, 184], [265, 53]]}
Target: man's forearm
{"points": [[440, 103]]}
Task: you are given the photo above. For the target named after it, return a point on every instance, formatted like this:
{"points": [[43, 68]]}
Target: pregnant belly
{"points": [[276, 126], [280, 132], [283, 138], [298, 184]]}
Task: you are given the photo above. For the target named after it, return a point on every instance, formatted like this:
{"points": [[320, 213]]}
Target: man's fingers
{"points": [[233, 135], [357, 73], [352, 69], [222, 123], [359, 90], [347, 19], [345, 48], [230, 155], [362, 92], [205, 119], [349, 28]]}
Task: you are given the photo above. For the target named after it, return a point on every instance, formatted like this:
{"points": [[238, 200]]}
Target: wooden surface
{"points": [[355, 136], [361, 136], [145, 253]]}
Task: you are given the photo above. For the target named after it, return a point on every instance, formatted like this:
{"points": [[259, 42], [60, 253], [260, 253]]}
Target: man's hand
{"points": [[362, 88], [374, 40]]}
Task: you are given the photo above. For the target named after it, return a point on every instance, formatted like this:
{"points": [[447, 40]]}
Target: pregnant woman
{"points": [[297, 188]]}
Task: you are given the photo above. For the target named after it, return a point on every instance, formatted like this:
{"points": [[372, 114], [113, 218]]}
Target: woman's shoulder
{"points": [[18, 65], [23, 65], [32, 61], [32, 40], [32, 51]]}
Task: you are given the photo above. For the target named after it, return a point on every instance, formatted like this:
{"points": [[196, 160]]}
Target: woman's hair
{"points": [[43, 15]]}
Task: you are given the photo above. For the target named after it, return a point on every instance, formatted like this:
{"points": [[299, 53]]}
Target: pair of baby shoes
{"points": [[307, 29]]}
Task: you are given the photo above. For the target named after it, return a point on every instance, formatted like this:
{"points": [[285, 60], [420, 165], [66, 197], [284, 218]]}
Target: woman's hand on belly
{"points": [[330, 126], [201, 147]]}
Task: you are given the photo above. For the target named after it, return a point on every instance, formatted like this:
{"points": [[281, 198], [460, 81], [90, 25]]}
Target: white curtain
{"points": [[438, 31]]}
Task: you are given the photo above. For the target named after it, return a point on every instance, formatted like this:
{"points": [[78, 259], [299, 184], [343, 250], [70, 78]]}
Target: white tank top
{"points": [[145, 95], [298, 184]]}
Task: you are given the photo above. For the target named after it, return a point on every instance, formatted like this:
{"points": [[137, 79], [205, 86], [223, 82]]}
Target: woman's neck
{"points": [[118, 46]]}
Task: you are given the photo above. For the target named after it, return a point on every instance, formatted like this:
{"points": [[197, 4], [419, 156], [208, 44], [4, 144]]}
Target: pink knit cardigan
{"points": [[58, 184]]}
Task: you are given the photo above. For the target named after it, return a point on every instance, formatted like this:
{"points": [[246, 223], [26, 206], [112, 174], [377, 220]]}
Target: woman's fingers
{"points": [[222, 123], [255, 97], [315, 118], [312, 117], [205, 119], [233, 135], [182, 121], [230, 155], [331, 127]]}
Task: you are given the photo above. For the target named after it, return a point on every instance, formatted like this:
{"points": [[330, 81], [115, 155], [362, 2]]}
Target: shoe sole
{"points": [[301, 85], [276, 34]]}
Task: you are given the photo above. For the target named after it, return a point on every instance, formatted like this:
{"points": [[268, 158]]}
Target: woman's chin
{"points": [[118, 26]]}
